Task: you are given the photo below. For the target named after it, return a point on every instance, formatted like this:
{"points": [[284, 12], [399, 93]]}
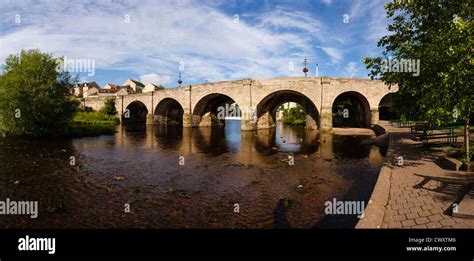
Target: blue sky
{"points": [[211, 40]]}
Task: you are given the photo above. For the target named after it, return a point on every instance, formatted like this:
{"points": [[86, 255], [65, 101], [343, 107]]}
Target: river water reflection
{"points": [[175, 177]]}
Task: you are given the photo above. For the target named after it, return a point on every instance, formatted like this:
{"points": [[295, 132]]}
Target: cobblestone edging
{"points": [[375, 210]]}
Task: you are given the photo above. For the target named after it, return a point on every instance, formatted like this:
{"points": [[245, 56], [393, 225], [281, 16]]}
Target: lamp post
{"points": [[179, 79], [305, 69]]}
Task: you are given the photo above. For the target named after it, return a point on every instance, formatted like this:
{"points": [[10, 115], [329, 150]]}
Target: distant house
{"points": [[135, 85], [152, 87], [80, 89], [124, 90], [107, 92], [110, 86], [91, 91]]}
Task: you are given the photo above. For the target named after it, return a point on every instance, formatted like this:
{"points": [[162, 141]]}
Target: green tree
{"points": [[294, 116], [438, 34], [109, 107], [34, 95]]}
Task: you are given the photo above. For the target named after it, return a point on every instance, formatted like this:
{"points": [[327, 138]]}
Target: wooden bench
{"points": [[450, 136], [424, 127]]}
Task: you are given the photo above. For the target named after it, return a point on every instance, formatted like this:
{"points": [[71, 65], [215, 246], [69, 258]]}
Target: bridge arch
{"points": [[351, 109], [211, 109], [135, 112], [268, 106], [387, 107], [168, 111]]}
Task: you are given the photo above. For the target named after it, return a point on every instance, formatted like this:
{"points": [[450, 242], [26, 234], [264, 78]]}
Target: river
{"points": [[173, 177]]}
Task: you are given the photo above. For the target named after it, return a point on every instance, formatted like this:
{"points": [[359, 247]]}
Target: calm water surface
{"points": [[141, 166]]}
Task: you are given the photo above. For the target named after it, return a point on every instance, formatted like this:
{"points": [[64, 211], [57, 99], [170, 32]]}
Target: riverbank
{"points": [[92, 124], [409, 194], [354, 132]]}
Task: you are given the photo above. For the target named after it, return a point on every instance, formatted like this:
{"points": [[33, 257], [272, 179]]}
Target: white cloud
{"points": [[162, 34], [327, 2], [150, 78], [166, 79], [335, 54], [158, 36], [368, 18], [351, 70], [281, 18]]}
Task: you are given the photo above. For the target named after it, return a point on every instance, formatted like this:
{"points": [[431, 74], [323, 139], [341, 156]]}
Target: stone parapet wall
{"points": [[250, 94]]}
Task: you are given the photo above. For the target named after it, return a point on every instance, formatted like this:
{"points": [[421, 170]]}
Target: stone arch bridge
{"points": [[328, 102]]}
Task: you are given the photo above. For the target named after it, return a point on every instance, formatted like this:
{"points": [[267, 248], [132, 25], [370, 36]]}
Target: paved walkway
{"points": [[407, 197]]}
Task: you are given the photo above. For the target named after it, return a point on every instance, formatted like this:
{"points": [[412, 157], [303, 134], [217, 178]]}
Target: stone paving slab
{"points": [[415, 201]]}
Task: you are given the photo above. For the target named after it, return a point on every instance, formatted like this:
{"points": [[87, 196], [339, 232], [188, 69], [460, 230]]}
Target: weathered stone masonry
{"points": [[258, 100]]}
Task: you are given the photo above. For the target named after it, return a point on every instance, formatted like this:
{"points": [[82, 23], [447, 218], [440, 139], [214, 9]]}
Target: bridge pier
{"points": [[247, 125], [311, 123], [149, 119], [209, 119], [326, 119], [266, 121], [374, 116], [326, 145], [247, 122], [187, 120]]}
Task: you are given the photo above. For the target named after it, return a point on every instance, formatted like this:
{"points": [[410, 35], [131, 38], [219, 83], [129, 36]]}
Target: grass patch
{"points": [[92, 124], [292, 121], [471, 128]]}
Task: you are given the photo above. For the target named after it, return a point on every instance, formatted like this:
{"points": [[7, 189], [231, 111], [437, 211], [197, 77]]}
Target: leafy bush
{"points": [[109, 107], [34, 95], [294, 116], [87, 109]]}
